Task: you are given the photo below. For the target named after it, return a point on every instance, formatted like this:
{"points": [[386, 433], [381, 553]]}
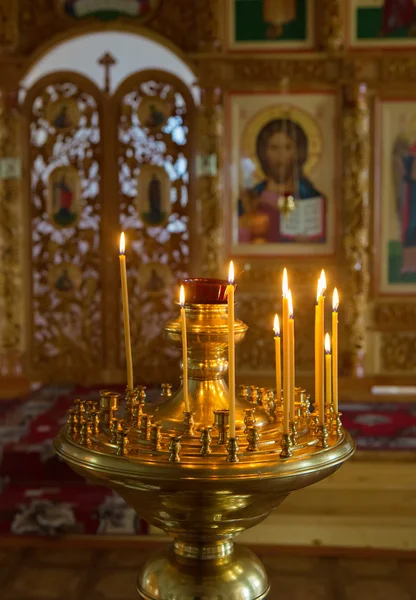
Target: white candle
{"points": [[276, 328], [286, 358], [125, 300], [319, 348], [328, 374], [231, 349], [184, 349], [291, 358], [335, 305]]}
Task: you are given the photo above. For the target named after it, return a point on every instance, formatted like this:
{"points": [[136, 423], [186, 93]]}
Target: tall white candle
{"points": [[335, 306], [184, 348], [319, 348], [231, 348], [125, 300], [286, 358], [291, 358]]}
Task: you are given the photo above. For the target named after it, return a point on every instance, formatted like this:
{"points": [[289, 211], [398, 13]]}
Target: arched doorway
{"points": [[99, 160]]}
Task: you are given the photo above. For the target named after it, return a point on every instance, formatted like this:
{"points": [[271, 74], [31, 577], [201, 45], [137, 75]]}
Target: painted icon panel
{"points": [[64, 196], [270, 24], [282, 186]]}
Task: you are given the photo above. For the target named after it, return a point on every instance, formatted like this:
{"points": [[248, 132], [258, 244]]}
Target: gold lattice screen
{"points": [[155, 211], [97, 165]]}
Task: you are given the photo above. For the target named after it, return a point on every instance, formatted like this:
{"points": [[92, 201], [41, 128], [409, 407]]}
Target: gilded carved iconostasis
{"points": [[291, 142]]}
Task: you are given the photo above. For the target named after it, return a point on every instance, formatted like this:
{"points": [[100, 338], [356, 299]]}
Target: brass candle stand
{"points": [[183, 474]]}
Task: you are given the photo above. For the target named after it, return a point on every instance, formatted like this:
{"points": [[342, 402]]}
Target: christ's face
{"points": [[280, 156]]}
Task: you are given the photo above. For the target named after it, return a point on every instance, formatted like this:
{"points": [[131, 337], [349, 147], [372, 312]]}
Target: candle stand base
{"points": [[210, 572], [200, 490]]}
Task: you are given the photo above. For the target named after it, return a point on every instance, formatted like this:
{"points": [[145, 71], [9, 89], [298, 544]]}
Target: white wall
{"points": [[132, 52]]}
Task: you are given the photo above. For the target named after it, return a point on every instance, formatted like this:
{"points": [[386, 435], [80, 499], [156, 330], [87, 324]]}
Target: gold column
{"points": [[209, 137], [330, 24], [209, 183], [355, 220], [11, 280], [209, 24]]}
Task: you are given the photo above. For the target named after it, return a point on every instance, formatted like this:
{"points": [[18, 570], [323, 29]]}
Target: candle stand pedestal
{"points": [[199, 498]]}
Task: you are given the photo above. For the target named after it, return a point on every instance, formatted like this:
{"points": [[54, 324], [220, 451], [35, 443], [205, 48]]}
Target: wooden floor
{"points": [[108, 570]]}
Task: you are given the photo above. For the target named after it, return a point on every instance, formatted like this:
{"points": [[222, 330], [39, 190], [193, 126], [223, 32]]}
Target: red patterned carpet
{"points": [[40, 495]]}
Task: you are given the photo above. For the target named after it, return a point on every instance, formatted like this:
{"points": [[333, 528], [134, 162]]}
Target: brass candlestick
{"points": [[221, 418], [202, 499]]}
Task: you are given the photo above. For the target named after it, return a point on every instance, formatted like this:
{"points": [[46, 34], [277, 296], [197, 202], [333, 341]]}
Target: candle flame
{"points": [[323, 279], [321, 285], [285, 284], [122, 243], [327, 344], [276, 326], [335, 300], [231, 273], [182, 296], [290, 304]]}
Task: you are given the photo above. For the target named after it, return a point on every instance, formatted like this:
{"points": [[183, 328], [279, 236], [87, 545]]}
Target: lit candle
{"points": [[184, 348], [335, 305], [276, 328], [291, 358], [231, 349], [328, 374], [286, 350], [125, 299], [319, 347]]}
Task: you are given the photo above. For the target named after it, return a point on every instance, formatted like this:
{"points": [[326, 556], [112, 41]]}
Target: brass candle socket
{"points": [[329, 416], [221, 420], [322, 435], [263, 399], [293, 433], [205, 440], [80, 408], [137, 414], [145, 427], [286, 445], [113, 431], [174, 449], [188, 423], [88, 409], [244, 392], [140, 391], [337, 425], [277, 414], [72, 422], [232, 450], [109, 405], [156, 437], [254, 394], [94, 423], [85, 434], [305, 406], [130, 398], [249, 419], [166, 390], [313, 423], [121, 442], [253, 437]]}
